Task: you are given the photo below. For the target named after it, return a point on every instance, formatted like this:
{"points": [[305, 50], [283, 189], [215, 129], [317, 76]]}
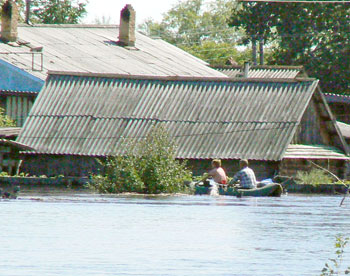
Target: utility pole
{"points": [[28, 2]]}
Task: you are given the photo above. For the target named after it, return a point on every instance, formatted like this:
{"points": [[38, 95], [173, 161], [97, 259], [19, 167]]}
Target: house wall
{"points": [[55, 165], [310, 129], [290, 167], [341, 111], [80, 166], [59, 165], [17, 107]]}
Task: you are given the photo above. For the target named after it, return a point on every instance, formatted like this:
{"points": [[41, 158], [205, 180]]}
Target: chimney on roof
{"points": [[9, 21], [127, 26]]}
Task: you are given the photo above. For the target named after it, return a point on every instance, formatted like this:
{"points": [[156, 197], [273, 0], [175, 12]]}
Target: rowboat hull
{"points": [[273, 189]]}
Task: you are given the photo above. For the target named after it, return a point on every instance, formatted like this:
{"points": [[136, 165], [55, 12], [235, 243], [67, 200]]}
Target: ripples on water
{"points": [[85, 234]]}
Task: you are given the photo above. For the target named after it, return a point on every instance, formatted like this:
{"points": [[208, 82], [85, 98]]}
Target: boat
{"points": [[273, 189]]}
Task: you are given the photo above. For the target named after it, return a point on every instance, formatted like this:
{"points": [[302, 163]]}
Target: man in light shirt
{"points": [[246, 176]]}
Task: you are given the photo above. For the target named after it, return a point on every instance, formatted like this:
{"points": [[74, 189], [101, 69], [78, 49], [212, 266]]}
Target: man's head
{"points": [[243, 163], [216, 163]]}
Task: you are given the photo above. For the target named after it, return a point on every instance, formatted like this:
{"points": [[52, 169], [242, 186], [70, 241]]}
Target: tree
{"points": [[313, 35], [57, 11], [149, 166], [6, 121], [200, 29]]}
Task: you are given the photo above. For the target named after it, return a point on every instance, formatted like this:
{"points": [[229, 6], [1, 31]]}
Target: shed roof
{"points": [[263, 72], [15, 144], [314, 152], [337, 98], [88, 114], [9, 132], [93, 48]]}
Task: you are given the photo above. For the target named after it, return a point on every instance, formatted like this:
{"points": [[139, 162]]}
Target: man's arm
{"points": [[235, 178]]}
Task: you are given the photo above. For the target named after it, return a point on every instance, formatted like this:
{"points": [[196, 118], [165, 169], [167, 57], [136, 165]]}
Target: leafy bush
{"points": [[314, 177], [149, 166]]}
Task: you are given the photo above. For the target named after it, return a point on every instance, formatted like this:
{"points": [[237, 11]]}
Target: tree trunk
{"points": [[254, 51], [261, 48]]}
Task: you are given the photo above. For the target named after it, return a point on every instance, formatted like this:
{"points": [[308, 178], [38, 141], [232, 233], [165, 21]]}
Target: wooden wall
{"points": [[341, 111], [59, 165], [55, 165], [290, 167], [310, 129], [80, 166]]}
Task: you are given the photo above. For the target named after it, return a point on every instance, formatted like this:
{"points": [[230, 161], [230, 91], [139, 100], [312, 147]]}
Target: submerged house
{"points": [[277, 124]]}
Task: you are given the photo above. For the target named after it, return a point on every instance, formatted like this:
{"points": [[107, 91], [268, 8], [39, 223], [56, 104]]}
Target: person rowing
{"points": [[217, 173], [245, 176]]}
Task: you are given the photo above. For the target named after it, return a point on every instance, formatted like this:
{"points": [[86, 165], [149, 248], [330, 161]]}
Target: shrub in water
{"points": [[149, 166], [314, 177]]}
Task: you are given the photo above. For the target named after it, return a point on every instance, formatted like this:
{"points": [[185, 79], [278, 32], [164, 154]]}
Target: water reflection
{"points": [[87, 234]]}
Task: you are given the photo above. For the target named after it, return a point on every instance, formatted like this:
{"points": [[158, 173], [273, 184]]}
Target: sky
{"points": [[111, 9]]}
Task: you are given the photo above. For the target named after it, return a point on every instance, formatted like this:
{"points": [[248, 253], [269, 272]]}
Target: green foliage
{"points": [[201, 29], [149, 166], [119, 176], [314, 177], [6, 121], [334, 267], [58, 11], [4, 174], [218, 53], [315, 36]]}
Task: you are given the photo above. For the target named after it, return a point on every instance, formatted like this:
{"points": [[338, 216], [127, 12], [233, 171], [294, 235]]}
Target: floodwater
{"points": [[87, 234]]}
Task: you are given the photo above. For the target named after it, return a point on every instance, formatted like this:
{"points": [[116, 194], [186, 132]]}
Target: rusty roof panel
{"points": [[88, 115]]}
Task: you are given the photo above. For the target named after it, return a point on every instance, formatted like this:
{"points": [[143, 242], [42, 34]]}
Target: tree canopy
{"points": [[200, 28], [58, 11], [54, 11], [313, 35]]}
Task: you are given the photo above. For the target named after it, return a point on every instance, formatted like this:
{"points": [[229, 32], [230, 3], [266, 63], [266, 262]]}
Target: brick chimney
{"points": [[127, 26], [9, 21]]}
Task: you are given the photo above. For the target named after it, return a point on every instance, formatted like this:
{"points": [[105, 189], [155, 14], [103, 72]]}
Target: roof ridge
{"points": [[286, 67], [69, 25], [334, 94], [178, 78]]}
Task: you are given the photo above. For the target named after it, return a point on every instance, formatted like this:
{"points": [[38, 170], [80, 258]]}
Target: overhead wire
{"points": [[174, 136]]}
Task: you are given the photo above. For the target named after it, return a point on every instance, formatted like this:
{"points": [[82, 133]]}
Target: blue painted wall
{"points": [[15, 79]]}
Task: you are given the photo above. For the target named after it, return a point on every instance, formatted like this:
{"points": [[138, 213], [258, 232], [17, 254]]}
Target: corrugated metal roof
{"points": [[337, 98], [314, 152], [228, 119], [93, 48], [264, 72]]}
